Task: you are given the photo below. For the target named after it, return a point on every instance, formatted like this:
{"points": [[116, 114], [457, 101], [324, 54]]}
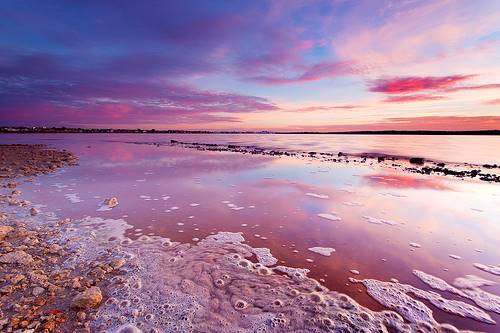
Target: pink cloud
{"points": [[476, 87], [433, 86], [411, 84], [493, 102]]}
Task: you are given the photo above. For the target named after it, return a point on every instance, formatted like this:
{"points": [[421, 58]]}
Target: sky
{"points": [[323, 65]]}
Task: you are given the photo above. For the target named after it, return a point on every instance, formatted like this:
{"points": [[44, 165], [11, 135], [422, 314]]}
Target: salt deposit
{"points": [[471, 282], [324, 251], [415, 245], [352, 204], [73, 197], [319, 196], [396, 296], [331, 217], [192, 275], [375, 220], [468, 290], [495, 270]]}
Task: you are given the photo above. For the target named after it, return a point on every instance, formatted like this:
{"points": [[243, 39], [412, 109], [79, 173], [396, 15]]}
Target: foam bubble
{"points": [[264, 256], [415, 245]]}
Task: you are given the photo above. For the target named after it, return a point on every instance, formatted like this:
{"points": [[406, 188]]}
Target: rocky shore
{"points": [[37, 293]]}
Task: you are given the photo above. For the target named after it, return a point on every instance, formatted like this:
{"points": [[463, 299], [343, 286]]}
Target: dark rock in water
{"points": [[490, 166], [441, 165], [417, 160], [174, 141], [340, 154], [381, 158]]}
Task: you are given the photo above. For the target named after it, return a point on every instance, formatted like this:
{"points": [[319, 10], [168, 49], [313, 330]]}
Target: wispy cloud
{"points": [[412, 98]]}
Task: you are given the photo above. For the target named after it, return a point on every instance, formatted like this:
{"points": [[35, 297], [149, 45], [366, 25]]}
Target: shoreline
{"points": [[410, 164], [96, 279], [42, 130]]}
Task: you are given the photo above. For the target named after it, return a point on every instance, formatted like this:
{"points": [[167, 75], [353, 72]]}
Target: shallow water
{"points": [[373, 214], [448, 148]]}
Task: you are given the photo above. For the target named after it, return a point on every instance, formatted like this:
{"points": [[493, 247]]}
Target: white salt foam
{"points": [[324, 251], [319, 196], [331, 217]]}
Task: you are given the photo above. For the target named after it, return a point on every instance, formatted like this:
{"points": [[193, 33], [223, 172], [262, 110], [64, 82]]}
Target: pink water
{"points": [[444, 215]]}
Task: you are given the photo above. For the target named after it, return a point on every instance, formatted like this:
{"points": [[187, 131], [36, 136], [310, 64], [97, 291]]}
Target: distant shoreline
{"points": [[154, 131]]}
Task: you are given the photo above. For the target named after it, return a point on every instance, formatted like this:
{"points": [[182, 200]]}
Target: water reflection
{"points": [[275, 202]]}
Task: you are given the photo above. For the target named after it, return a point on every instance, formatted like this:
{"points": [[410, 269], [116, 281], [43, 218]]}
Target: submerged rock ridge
{"points": [[485, 172]]}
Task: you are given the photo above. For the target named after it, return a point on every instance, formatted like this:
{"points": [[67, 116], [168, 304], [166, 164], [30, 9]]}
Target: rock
{"points": [[39, 278], [34, 211], [3, 216], [111, 202], [11, 185], [4, 230], [49, 325], [37, 291], [54, 249], [16, 257], [81, 315], [75, 283], [8, 289], [417, 160], [87, 299], [118, 263], [17, 278]]}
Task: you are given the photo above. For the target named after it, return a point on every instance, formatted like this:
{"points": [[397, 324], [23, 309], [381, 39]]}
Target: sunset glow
{"points": [[251, 65]]}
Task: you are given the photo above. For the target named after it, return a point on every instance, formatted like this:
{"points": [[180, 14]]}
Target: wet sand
{"points": [[141, 244]]}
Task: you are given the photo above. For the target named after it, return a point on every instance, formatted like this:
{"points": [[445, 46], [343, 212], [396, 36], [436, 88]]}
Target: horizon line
{"points": [[64, 129]]}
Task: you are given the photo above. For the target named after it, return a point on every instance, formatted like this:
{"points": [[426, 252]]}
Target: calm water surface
{"points": [[184, 194]]}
